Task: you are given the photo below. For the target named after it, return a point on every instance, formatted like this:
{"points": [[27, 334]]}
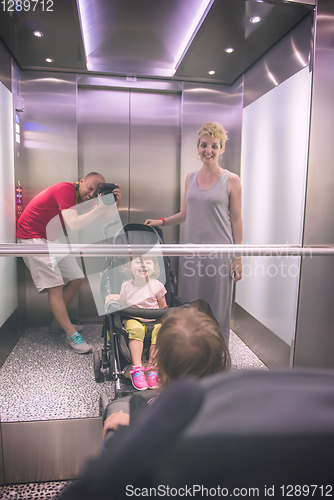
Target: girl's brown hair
{"points": [[190, 343]]}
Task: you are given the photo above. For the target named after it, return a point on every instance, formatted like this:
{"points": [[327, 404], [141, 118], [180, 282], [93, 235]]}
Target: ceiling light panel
{"points": [[141, 38], [195, 25]]}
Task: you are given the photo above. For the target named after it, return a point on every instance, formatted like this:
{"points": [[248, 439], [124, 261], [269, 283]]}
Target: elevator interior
{"points": [[120, 104], [108, 104]]}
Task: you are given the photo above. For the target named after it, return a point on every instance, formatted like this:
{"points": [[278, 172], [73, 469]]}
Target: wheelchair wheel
{"points": [[103, 403], [97, 360]]}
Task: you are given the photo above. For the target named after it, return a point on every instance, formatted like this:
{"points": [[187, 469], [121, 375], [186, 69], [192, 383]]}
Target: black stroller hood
{"points": [[137, 234]]}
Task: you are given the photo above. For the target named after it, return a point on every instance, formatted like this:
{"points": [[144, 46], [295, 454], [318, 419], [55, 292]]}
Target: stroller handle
{"points": [[106, 227], [138, 312]]}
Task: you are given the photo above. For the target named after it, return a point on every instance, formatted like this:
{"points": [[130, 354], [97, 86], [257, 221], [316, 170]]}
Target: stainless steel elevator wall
{"points": [[103, 138], [132, 138], [210, 103], [315, 324], [47, 154], [132, 133], [287, 57]]}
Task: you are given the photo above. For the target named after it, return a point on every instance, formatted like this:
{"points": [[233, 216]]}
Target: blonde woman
{"points": [[212, 214]]}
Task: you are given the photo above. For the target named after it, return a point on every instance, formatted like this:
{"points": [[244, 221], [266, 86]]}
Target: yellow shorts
{"points": [[137, 330]]}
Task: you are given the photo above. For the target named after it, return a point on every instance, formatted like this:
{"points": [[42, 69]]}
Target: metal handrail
{"points": [[110, 250]]}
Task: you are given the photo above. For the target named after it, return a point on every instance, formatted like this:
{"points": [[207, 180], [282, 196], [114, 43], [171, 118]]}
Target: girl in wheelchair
{"points": [[142, 291], [189, 343]]}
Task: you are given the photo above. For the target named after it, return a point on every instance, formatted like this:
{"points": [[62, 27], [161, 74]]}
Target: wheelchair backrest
{"points": [[257, 429]]}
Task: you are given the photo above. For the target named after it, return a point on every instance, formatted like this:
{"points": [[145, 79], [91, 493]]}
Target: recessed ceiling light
{"points": [[229, 50], [49, 60], [255, 19], [211, 72], [39, 34]]}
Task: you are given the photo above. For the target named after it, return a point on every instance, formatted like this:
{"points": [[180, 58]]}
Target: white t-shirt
{"points": [[144, 297]]}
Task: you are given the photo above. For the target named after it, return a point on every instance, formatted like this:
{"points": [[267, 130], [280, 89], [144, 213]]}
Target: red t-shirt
{"points": [[42, 208]]}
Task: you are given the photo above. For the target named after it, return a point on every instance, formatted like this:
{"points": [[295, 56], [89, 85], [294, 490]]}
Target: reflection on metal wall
{"points": [[103, 147], [8, 294], [131, 138], [118, 127], [47, 153], [49, 450], [154, 158], [314, 336], [203, 103], [287, 57], [5, 66], [273, 175], [103, 137], [2, 471]]}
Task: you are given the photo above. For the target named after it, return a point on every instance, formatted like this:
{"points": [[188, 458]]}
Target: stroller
{"points": [[114, 360]]}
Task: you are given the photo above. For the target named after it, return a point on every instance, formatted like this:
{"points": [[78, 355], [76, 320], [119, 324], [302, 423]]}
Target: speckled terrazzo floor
{"points": [[43, 379], [33, 491], [242, 358]]}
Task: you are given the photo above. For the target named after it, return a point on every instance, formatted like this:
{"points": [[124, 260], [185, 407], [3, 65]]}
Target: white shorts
{"points": [[46, 272]]}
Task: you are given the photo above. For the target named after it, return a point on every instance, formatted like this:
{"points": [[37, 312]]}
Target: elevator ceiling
{"points": [[145, 37]]}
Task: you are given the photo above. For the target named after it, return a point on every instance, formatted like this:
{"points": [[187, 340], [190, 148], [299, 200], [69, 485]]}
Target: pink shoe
{"points": [[138, 378], [152, 377]]}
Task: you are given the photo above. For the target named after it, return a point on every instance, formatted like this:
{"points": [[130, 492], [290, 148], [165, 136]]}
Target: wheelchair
{"points": [[261, 433], [114, 360]]}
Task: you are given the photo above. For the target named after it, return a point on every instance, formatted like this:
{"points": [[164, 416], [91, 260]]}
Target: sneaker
{"points": [[138, 378], [77, 343], [56, 328], [152, 377]]}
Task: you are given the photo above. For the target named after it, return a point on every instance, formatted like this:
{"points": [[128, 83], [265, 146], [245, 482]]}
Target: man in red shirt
{"points": [[61, 280]]}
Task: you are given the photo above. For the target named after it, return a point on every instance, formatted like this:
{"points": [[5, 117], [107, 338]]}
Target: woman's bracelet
{"points": [[163, 220]]}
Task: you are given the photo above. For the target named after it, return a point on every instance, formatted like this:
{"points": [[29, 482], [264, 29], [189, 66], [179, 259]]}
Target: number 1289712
{"points": [[26, 5]]}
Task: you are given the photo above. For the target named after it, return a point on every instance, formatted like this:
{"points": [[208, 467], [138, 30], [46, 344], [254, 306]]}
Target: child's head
{"points": [[142, 266], [190, 343]]}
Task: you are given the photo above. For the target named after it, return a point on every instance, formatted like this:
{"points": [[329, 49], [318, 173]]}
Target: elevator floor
{"points": [[43, 379], [33, 491]]}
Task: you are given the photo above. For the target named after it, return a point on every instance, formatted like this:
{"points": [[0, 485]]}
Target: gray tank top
{"points": [[208, 218]]}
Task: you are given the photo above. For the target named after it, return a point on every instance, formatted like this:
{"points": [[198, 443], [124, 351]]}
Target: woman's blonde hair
{"points": [[214, 129], [126, 268], [189, 343]]}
